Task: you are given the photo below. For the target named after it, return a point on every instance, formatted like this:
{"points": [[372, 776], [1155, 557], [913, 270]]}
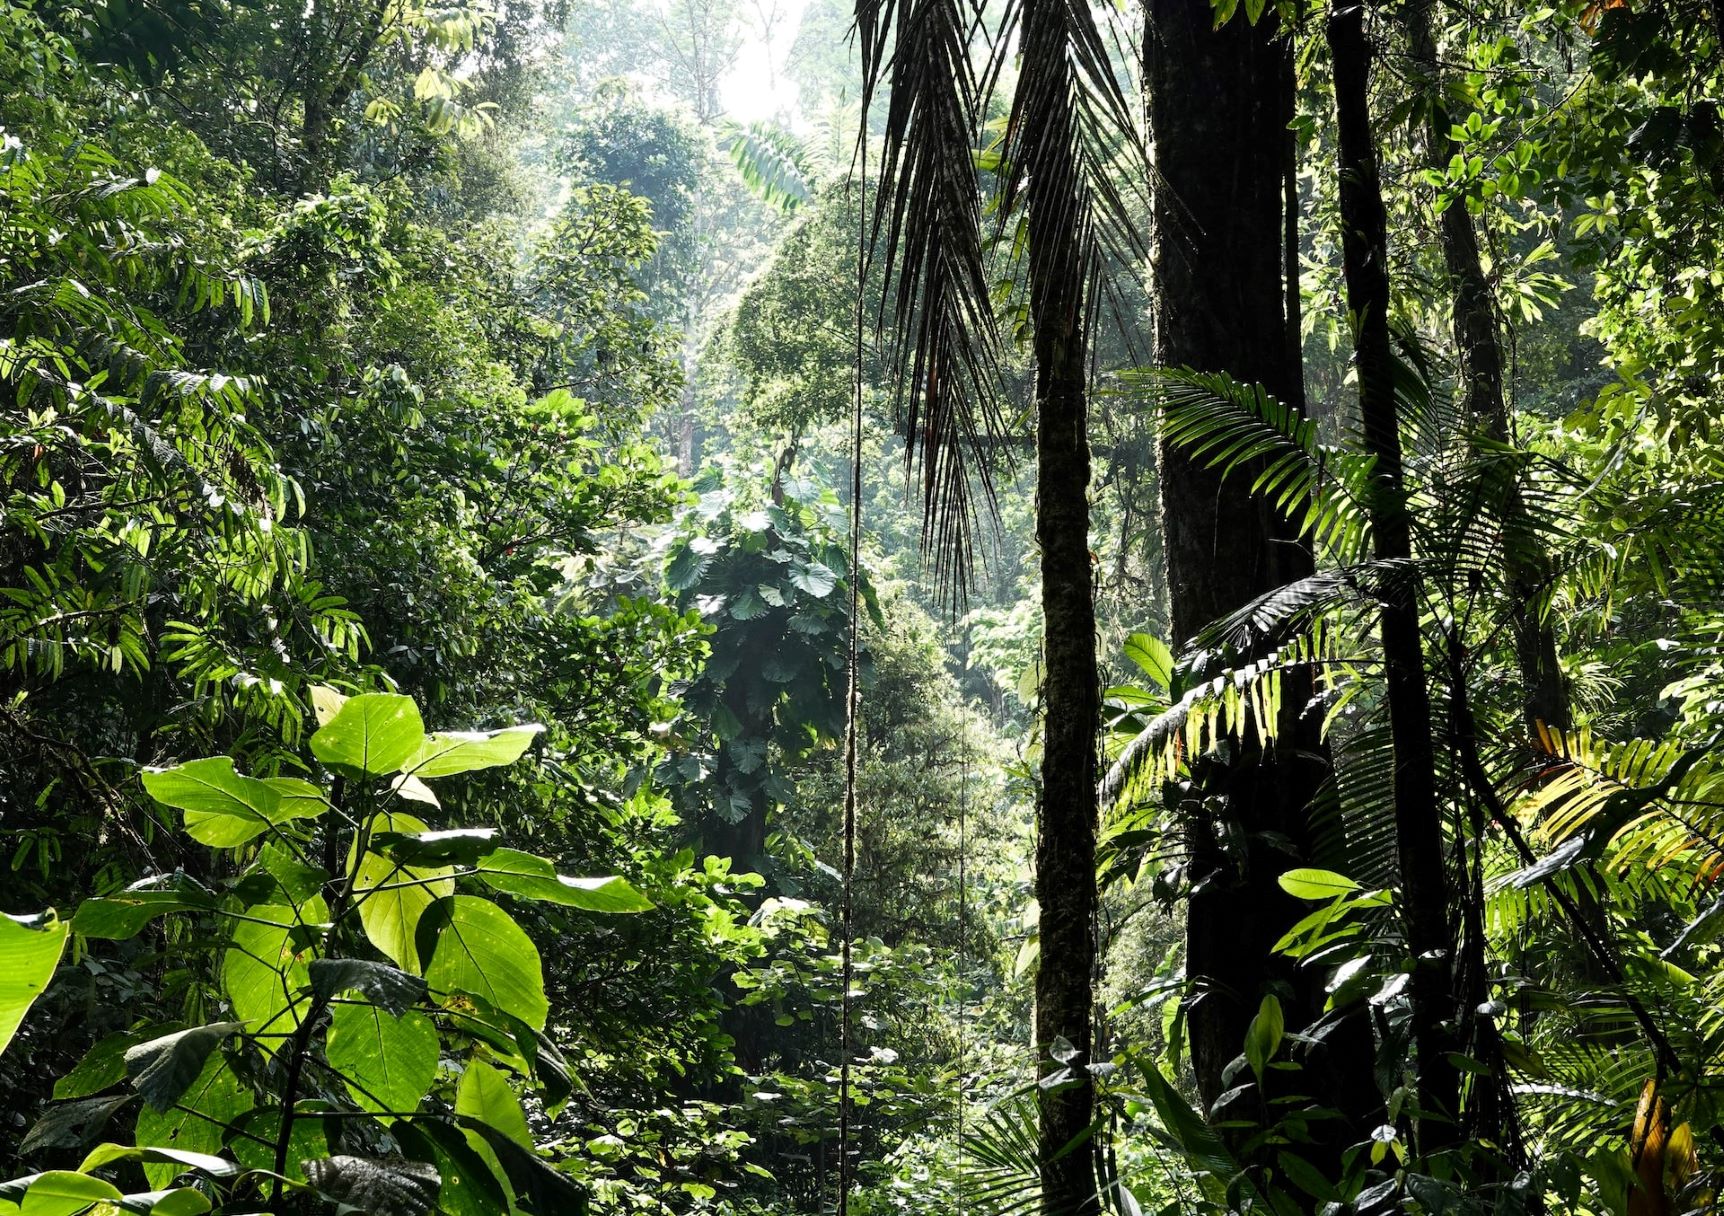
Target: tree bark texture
{"points": [[1418, 829], [1223, 252], [1066, 818]]}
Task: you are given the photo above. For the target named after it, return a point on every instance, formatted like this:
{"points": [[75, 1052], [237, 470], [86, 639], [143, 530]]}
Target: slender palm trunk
{"points": [[1418, 829], [1224, 261], [1065, 847]]}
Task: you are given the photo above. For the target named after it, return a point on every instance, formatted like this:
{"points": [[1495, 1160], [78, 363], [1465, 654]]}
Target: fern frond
{"points": [[1242, 428]]}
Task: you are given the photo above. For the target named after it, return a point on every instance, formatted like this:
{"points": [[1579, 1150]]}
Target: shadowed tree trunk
{"points": [[1418, 830], [1224, 263], [1478, 346], [1071, 697]]}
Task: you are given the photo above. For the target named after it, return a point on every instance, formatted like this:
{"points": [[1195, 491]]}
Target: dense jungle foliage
{"points": [[1248, 739]]}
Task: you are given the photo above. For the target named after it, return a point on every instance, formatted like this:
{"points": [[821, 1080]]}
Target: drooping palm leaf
{"points": [[926, 227]]}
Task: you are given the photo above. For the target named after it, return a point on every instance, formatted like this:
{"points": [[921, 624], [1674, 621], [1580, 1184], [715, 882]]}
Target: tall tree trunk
{"points": [[1224, 262], [1478, 346], [1071, 698], [1526, 564], [1418, 828]]}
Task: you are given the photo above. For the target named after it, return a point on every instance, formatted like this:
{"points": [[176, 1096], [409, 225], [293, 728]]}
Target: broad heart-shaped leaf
{"points": [[197, 1124], [29, 951], [448, 752], [522, 874], [814, 578], [375, 733], [265, 967], [686, 568], [378, 1186], [300, 799], [392, 897], [1316, 884], [483, 1093], [479, 949], [223, 809], [388, 1062], [163, 1069], [389, 987], [123, 915]]}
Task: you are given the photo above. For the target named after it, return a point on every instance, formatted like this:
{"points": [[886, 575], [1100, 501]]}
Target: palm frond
{"points": [[1241, 428], [926, 227]]}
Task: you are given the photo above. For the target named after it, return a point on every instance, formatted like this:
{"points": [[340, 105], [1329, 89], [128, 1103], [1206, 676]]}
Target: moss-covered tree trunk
{"points": [[1224, 258]]}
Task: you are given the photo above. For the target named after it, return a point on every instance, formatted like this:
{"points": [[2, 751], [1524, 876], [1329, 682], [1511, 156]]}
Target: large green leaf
{"points": [[162, 1069], [448, 752], [451, 846], [224, 809], [197, 1124], [814, 578], [388, 1062], [522, 874], [299, 799], [389, 987], [481, 950], [71, 1124], [64, 1192], [253, 1142], [204, 1163], [483, 1093], [265, 967], [470, 1186], [539, 1186], [121, 916], [392, 897], [30, 949], [1316, 884], [103, 1065], [374, 733]]}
